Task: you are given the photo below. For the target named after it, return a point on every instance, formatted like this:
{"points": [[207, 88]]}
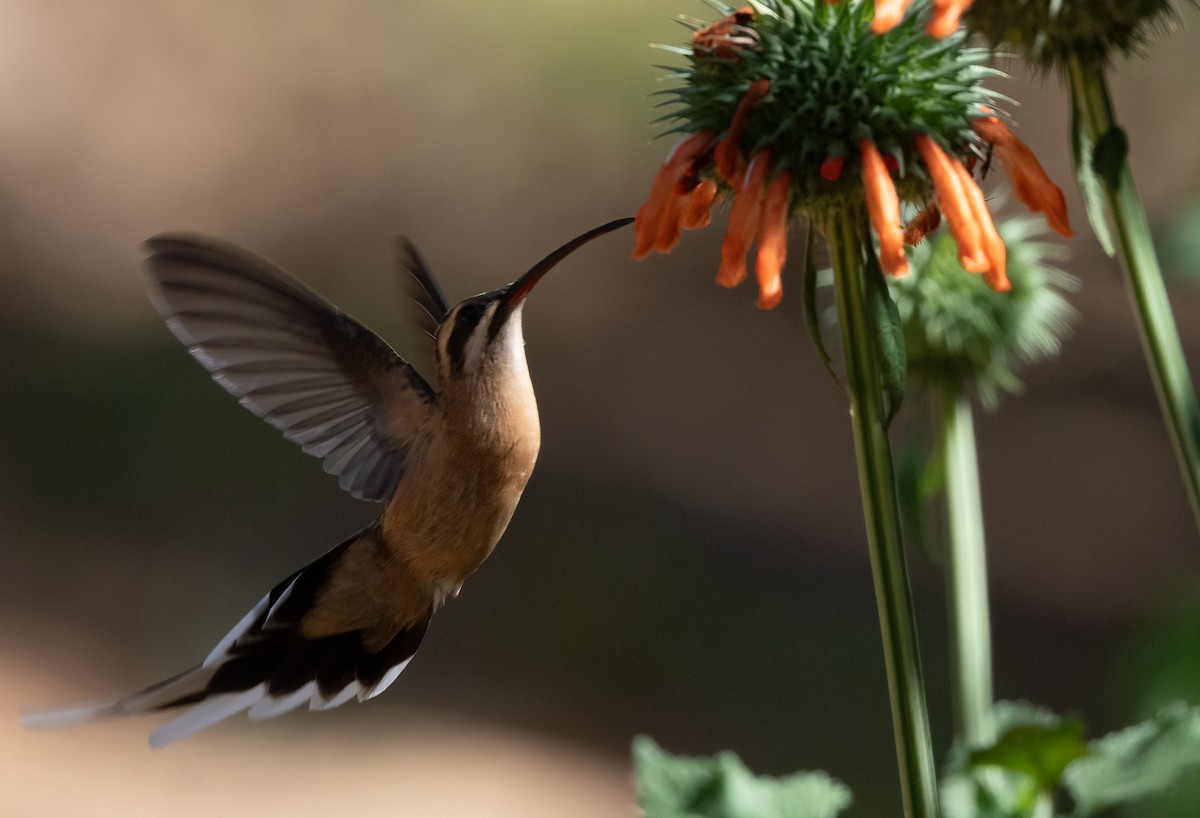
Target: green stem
{"points": [[966, 575], [1156, 324], [877, 483]]}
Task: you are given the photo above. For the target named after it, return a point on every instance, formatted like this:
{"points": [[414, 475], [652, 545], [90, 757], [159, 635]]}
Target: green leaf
{"points": [[1138, 761], [983, 790], [920, 477], [666, 783], [989, 793], [1109, 155], [1089, 182], [677, 787], [1040, 751], [889, 336], [812, 319]]}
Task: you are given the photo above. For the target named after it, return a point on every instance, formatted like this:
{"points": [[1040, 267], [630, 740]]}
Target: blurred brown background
{"points": [[689, 558]]}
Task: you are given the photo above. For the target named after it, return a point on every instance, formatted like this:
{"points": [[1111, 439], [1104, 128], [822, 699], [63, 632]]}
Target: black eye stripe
{"points": [[465, 322]]}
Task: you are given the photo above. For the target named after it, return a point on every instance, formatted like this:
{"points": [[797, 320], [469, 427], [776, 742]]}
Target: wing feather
{"points": [[422, 289], [295, 360]]}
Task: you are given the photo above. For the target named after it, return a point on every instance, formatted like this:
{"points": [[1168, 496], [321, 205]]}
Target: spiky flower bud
{"points": [[1047, 32], [961, 336]]}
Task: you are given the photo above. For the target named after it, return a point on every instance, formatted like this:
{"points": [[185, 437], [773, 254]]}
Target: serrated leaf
{"points": [[1040, 751], [677, 787], [1138, 761], [989, 793], [665, 783], [1090, 188]]}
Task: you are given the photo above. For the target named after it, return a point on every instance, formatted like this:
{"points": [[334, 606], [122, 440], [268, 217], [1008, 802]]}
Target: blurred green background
{"points": [[688, 560]]}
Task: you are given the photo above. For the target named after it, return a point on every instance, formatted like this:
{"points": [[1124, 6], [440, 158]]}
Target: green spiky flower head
{"points": [[832, 82], [835, 111], [964, 338], [1049, 32]]}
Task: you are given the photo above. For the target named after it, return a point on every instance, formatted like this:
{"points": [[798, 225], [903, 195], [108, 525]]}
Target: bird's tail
{"points": [[264, 665]]}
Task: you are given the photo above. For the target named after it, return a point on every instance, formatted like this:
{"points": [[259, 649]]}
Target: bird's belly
{"points": [[444, 531]]}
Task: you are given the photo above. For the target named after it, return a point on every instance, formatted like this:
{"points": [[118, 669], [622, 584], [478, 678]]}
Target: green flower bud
{"points": [[1047, 32], [962, 336]]}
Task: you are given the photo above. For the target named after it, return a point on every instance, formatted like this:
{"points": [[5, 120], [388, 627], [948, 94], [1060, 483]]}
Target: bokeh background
{"points": [[689, 558]]}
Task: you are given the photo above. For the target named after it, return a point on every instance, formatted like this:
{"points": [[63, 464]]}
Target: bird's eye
{"points": [[469, 314]]}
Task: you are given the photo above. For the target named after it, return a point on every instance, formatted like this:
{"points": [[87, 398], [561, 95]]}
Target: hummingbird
{"points": [[447, 466]]}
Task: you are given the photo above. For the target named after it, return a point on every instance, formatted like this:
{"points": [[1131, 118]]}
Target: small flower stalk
{"points": [[802, 108], [966, 342]]}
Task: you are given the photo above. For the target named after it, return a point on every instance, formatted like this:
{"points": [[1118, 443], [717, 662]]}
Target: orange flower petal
{"points": [[831, 168], [996, 274], [727, 159], [698, 212], [772, 240], [728, 155], [954, 205], [743, 222], [660, 203], [720, 38], [1029, 180], [669, 227], [883, 207], [944, 20], [888, 14]]}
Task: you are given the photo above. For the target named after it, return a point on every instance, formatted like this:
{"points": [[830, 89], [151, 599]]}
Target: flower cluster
{"points": [[943, 21], [799, 107]]}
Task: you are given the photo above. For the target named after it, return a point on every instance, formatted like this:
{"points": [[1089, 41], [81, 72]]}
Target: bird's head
{"points": [[483, 332]]}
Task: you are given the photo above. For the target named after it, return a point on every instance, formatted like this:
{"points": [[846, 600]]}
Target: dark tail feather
{"points": [[263, 666]]}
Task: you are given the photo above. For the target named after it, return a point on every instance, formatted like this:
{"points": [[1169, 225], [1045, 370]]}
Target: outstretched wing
{"points": [[295, 360]]}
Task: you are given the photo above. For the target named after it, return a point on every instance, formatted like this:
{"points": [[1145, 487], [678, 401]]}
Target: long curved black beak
{"points": [[520, 288]]}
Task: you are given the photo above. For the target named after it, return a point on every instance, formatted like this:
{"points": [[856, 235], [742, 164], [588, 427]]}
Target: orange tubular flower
{"points": [[942, 23], [955, 205], [888, 14], [831, 168], [663, 203], [698, 212], [669, 228], [1029, 180], [728, 156], [883, 207], [772, 240], [946, 14], [743, 222], [994, 251], [723, 38]]}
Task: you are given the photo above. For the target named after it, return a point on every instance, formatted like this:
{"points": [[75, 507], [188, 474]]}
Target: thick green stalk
{"points": [[1156, 324], [966, 576], [910, 719]]}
